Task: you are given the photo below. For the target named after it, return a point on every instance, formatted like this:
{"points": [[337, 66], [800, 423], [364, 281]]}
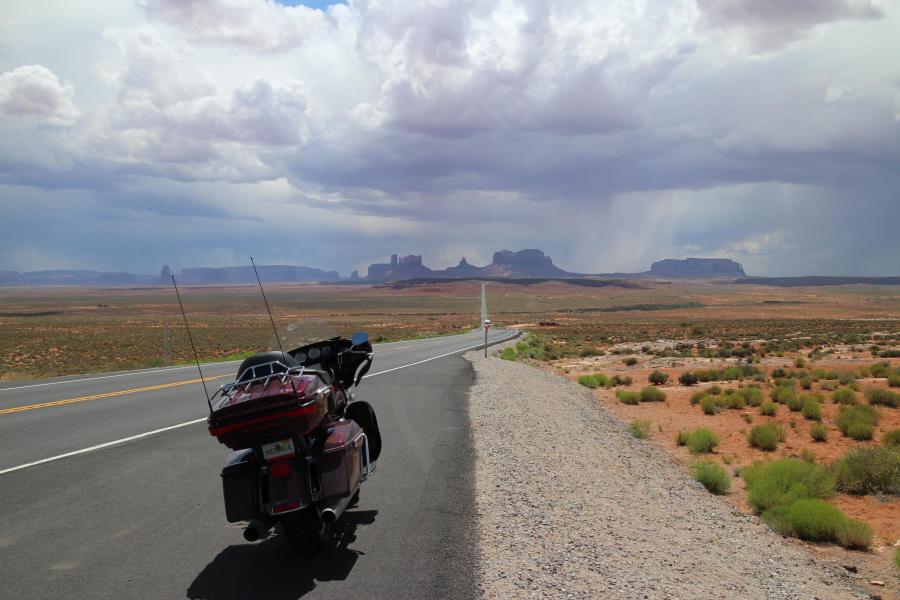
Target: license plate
{"points": [[278, 449]]}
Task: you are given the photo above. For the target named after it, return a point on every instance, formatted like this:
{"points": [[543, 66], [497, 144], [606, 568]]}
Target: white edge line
{"points": [[195, 421]]}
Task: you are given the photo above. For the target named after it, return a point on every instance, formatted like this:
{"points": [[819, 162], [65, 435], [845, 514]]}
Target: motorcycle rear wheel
{"points": [[307, 532]]}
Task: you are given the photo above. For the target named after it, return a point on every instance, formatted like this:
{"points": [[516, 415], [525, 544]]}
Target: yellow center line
{"points": [[149, 388]]}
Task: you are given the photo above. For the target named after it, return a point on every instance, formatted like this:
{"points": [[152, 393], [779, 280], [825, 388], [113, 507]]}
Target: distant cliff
{"points": [[696, 268], [524, 263]]}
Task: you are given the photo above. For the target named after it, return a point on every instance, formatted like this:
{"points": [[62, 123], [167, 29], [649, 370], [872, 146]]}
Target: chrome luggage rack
{"points": [[280, 375]]}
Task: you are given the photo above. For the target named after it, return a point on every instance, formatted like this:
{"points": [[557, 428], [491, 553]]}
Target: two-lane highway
{"points": [[84, 514]]}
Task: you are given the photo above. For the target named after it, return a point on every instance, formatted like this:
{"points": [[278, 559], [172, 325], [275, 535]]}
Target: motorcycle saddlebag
{"points": [[240, 484], [341, 464]]}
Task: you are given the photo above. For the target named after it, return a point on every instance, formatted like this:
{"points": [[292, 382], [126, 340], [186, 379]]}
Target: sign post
{"points": [[487, 325]]}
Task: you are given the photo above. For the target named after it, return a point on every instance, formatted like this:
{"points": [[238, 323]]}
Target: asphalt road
{"points": [[144, 518]]}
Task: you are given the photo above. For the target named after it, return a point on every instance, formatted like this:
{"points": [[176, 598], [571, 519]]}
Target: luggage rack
{"points": [[281, 375]]}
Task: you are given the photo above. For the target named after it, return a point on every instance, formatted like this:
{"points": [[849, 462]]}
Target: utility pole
{"points": [[165, 343]]}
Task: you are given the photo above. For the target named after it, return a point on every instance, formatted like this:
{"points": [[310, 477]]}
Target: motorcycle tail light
{"points": [[281, 469]]}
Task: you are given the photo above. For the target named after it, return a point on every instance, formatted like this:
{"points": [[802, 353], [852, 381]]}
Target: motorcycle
{"points": [[302, 445]]}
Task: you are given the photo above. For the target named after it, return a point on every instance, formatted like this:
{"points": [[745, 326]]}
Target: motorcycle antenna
{"points": [[272, 320], [191, 338]]}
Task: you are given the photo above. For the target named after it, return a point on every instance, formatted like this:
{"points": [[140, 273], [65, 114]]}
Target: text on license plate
{"points": [[278, 449]]}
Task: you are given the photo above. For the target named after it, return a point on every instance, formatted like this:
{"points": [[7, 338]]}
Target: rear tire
{"points": [[364, 415], [307, 532]]}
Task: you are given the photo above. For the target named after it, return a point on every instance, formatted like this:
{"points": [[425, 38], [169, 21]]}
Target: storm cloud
{"points": [[609, 135]]}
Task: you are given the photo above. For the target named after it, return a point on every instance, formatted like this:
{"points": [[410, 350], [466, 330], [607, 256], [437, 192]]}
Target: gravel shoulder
{"points": [[570, 505]]}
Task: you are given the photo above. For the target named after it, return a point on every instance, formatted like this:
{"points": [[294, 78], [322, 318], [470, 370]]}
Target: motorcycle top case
{"points": [[341, 462], [267, 411]]}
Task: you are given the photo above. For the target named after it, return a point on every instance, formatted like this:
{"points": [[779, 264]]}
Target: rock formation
{"points": [[696, 268]]}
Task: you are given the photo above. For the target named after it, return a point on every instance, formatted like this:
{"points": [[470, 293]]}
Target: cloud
{"points": [[34, 92], [771, 24], [258, 25]]}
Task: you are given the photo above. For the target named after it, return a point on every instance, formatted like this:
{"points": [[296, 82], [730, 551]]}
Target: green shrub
{"points": [[843, 396], [883, 397], [696, 397], [855, 535], [765, 437], [882, 369], [732, 374], [869, 470], [829, 386], [640, 429], [811, 409], [628, 397], [701, 440], [768, 409], [748, 418], [817, 521], [630, 361], [752, 395], [857, 422], [783, 481], [819, 432], [806, 383], [709, 405], [894, 380], [688, 378], [891, 438], [733, 401], [712, 476], [595, 381], [846, 378], [620, 380], [807, 455], [587, 381], [657, 377], [794, 403], [509, 354], [652, 394], [897, 558], [681, 438], [799, 362], [783, 394]]}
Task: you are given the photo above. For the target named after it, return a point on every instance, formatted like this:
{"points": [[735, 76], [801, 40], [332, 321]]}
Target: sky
{"points": [[608, 134]]}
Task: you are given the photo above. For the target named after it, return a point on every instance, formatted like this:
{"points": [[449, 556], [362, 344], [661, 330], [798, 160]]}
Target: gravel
{"points": [[570, 505]]}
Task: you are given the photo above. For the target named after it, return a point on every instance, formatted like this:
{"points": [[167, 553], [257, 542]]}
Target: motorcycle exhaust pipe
{"points": [[332, 513], [257, 530]]}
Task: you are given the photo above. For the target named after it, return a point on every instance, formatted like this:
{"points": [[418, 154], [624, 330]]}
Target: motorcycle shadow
{"points": [[272, 569]]}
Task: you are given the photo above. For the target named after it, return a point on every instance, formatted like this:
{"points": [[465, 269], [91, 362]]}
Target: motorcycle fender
{"points": [[288, 486]]}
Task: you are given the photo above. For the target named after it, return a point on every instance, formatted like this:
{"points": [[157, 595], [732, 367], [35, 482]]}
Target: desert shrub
{"points": [[883, 397], [894, 380], [681, 438], [897, 558], [843, 396], [765, 437], [733, 401], [846, 378], [819, 432], [783, 481], [768, 409], [732, 374], [799, 362], [806, 383], [794, 403], [829, 386], [712, 476], [687, 378], [621, 380], [696, 397], [714, 390], [588, 381], [807, 455], [630, 361], [652, 394], [782, 394], [808, 519], [891, 438], [509, 354], [869, 470], [657, 377], [811, 409], [752, 395], [701, 440], [882, 369], [640, 429], [628, 397], [855, 535], [748, 418], [709, 405], [857, 422]]}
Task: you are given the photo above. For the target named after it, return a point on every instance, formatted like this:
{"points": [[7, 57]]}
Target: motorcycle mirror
{"points": [[359, 338]]}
